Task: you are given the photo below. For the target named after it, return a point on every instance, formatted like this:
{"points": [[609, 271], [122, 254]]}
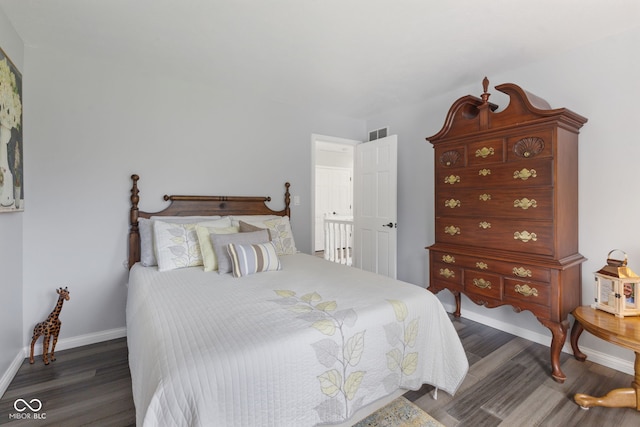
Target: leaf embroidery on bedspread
{"points": [[402, 337], [340, 383]]}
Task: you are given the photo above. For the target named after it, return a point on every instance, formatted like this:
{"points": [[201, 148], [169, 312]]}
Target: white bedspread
{"points": [[306, 345]]}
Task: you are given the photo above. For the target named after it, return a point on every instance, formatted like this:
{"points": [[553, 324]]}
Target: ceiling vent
{"points": [[378, 133]]}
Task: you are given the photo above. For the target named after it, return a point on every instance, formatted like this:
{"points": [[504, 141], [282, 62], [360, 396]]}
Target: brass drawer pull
{"points": [[452, 203], [484, 225], [521, 272], [452, 179], [484, 172], [449, 259], [485, 197], [526, 290], [525, 174], [525, 236], [525, 203], [482, 284], [484, 152], [452, 230], [447, 273], [481, 265]]}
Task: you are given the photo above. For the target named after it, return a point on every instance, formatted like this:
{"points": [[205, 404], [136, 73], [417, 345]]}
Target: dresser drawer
{"points": [[451, 157], [504, 234], [480, 283], [533, 296], [447, 273], [515, 174], [508, 269], [533, 144], [486, 152], [529, 202], [528, 291]]}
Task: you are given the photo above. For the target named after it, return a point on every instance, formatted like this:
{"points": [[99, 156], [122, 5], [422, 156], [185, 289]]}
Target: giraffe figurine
{"points": [[48, 328]]}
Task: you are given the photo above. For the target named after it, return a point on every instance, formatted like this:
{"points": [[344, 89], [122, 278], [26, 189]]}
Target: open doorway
{"points": [[332, 188]]}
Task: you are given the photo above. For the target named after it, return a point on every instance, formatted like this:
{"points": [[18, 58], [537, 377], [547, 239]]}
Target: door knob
{"points": [[390, 225]]}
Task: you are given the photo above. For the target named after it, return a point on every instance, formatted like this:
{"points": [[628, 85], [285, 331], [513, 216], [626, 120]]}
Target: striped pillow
{"points": [[250, 259]]}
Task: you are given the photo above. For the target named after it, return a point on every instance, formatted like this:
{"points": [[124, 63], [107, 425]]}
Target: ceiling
{"points": [[354, 58]]}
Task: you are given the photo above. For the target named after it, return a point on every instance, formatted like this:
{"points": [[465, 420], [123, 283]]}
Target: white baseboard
{"points": [[79, 341], [596, 356], [11, 372]]}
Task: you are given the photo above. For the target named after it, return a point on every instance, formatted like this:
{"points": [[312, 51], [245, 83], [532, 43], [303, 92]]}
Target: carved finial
{"points": [[133, 212], [485, 88], [287, 199], [134, 191]]}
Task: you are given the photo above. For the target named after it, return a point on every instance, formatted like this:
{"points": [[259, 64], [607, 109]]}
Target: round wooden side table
{"points": [[624, 332]]}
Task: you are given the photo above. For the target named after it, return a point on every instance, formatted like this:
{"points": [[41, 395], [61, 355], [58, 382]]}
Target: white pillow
{"points": [[235, 219], [280, 232], [145, 228], [147, 254], [281, 235], [177, 244]]}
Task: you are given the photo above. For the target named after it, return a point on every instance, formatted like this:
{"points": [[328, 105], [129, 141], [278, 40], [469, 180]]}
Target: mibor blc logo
{"points": [[28, 410]]}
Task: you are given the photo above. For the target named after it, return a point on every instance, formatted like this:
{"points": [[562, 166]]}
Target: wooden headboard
{"points": [[198, 206]]}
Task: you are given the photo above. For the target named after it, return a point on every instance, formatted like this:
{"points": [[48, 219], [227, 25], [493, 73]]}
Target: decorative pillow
{"points": [[245, 227], [145, 228], [250, 259], [282, 235], [176, 245], [147, 254], [209, 259], [254, 219], [221, 241]]}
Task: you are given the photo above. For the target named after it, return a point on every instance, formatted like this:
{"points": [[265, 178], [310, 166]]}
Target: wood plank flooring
{"points": [[88, 385], [508, 385]]}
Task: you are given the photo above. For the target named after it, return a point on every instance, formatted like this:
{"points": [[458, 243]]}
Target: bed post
{"points": [[134, 234], [287, 200]]}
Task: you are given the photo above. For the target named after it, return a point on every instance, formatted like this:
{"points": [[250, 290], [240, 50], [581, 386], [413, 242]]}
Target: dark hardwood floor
{"points": [[508, 385], [88, 385]]}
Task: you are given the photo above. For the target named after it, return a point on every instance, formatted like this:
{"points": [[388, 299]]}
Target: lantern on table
{"points": [[617, 288]]}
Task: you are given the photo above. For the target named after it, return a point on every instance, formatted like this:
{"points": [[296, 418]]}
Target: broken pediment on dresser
{"points": [[470, 114]]}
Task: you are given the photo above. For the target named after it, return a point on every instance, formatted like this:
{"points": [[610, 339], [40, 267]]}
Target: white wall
{"points": [[11, 339], [92, 123], [600, 82]]}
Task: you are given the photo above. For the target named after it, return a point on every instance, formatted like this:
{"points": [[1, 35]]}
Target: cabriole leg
{"points": [[559, 332]]}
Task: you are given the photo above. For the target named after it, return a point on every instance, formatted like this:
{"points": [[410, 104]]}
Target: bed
{"points": [[296, 341]]}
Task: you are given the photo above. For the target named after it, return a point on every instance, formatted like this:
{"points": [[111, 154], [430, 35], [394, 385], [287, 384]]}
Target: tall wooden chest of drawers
{"points": [[506, 208]]}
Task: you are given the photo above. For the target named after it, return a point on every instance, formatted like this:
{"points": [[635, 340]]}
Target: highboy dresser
{"points": [[506, 208]]}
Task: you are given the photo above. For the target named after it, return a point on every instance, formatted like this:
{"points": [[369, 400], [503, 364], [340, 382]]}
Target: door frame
{"points": [[315, 140]]}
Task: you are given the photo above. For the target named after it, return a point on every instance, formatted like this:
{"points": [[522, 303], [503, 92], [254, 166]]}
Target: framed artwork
{"points": [[11, 144]]}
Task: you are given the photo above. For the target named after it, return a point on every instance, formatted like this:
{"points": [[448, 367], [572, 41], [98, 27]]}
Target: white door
{"points": [[375, 206]]}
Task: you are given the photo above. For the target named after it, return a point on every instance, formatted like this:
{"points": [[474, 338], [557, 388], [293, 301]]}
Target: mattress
{"points": [[307, 345]]}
